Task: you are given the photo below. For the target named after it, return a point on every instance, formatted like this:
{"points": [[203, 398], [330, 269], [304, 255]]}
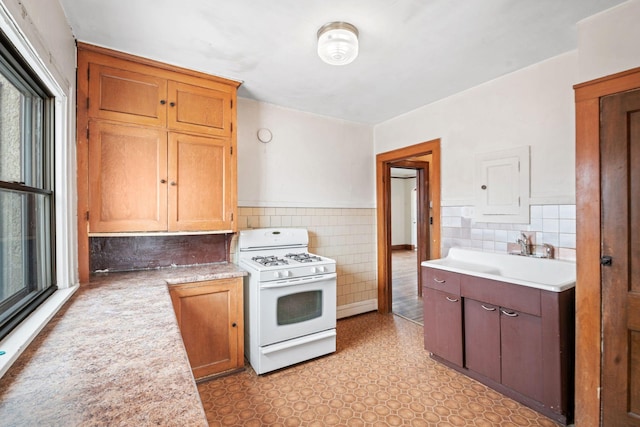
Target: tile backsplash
{"points": [[346, 235], [551, 224]]}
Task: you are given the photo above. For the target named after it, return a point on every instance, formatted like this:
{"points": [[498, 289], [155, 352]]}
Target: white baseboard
{"points": [[356, 308]]}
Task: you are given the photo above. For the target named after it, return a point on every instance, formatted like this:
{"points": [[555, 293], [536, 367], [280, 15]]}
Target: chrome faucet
{"points": [[525, 245], [548, 250]]}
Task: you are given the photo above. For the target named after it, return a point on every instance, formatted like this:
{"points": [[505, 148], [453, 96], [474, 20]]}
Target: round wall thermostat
{"points": [[264, 135]]}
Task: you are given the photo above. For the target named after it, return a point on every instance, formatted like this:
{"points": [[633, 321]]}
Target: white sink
{"points": [[542, 273]]}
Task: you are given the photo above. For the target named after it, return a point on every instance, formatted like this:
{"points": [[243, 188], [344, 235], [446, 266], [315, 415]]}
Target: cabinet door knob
{"points": [[439, 281], [173, 104], [162, 102], [174, 183], [510, 314], [452, 299], [234, 324], [488, 308], [163, 181]]}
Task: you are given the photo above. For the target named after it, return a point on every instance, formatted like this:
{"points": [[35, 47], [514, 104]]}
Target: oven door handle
{"points": [[297, 282], [297, 342]]}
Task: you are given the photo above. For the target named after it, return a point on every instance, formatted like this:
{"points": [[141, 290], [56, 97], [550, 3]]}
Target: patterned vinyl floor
{"points": [[380, 375]]}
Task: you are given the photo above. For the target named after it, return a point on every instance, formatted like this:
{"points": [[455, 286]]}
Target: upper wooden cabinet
{"points": [[127, 178], [199, 196], [132, 92], [156, 148], [201, 109]]}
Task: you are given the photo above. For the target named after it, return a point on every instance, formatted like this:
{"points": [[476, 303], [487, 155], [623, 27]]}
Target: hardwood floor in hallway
{"points": [[404, 276]]}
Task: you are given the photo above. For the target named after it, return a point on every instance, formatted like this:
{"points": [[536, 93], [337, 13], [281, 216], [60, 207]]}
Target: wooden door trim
{"points": [[384, 162], [588, 225]]}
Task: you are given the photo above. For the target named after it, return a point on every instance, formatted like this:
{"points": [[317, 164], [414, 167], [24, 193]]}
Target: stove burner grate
{"points": [[270, 261], [303, 257]]}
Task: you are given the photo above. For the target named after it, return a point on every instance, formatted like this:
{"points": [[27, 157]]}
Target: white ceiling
{"points": [[412, 52]]}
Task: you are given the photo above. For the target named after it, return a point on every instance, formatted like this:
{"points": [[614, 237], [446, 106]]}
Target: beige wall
{"points": [[346, 235]]}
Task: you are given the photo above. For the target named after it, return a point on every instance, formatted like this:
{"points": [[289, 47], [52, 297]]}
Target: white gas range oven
{"points": [[290, 298]]}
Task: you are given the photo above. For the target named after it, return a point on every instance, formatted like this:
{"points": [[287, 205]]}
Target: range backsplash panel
{"points": [[149, 252]]}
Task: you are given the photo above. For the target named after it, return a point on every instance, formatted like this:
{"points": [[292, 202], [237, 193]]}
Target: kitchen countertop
{"points": [[113, 355]]}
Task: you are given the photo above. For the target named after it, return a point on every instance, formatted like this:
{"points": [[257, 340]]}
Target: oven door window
{"points": [[299, 307]]}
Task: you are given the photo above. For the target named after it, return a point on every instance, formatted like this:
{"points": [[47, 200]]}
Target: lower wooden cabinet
{"points": [[210, 317]]}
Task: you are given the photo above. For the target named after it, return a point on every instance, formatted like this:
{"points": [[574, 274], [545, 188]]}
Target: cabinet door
{"points": [[443, 325], [521, 349], [200, 183], [209, 315], [200, 109], [482, 338], [128, 95], [127, 167]]}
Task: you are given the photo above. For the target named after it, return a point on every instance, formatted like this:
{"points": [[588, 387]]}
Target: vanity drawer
{"points": [[441, 280]]}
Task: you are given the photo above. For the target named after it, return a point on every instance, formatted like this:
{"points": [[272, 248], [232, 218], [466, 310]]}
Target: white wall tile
{"points": [[550, 211], [550, 225], [567, 211], [567, 226], [536, 211]]}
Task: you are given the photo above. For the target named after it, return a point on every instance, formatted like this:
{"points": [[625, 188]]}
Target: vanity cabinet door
{"points": [[482, 338], [521, 349], [443, 325]]}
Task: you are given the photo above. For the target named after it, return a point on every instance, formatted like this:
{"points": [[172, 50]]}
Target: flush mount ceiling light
{"points": [[338, 43]]}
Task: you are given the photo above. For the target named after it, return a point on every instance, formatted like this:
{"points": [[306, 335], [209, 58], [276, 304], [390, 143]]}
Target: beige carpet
{"points": [[380, 375]]}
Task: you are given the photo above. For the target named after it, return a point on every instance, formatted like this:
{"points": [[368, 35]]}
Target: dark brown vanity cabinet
{"points": [[516, 339], [444, 309], [443, 306], [482, 339]]}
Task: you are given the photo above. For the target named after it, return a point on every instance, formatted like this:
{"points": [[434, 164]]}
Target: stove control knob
{"points": [[318, 269], [277, 274], [287, 274]]}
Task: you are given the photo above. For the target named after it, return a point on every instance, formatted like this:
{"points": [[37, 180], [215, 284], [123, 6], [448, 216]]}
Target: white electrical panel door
{"points": [[502, 180]]}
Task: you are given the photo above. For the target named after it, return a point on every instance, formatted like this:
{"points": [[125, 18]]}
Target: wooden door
{"points": [[200, 109], [620, 187], [424, 220], [128, 95], [209, 315], [199, 183], [127, 178], [482, 338]]}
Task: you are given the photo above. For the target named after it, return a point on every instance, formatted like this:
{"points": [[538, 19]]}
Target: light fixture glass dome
{"points": [[338, 43]]}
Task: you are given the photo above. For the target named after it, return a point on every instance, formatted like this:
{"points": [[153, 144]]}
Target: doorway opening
{"points": [[405, 294], [424, 158]]}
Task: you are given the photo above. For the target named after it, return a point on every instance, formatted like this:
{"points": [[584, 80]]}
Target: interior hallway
{"points": [[404, 276]]}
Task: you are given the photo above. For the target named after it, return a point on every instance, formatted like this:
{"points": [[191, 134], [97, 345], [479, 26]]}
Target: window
{"points": [[27, 255]]}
